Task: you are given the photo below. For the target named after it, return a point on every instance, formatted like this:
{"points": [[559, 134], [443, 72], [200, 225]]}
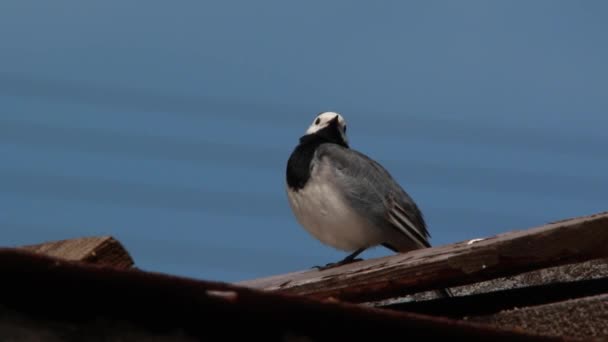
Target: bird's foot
{"points": [[336, 264]]}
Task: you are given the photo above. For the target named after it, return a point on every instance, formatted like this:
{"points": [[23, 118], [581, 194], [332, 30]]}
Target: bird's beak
{"points": [[336, 123]]}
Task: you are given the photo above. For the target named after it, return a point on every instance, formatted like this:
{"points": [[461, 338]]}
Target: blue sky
{"points": [[168, 125]]}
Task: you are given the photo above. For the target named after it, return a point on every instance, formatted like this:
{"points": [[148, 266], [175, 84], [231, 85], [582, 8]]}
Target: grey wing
{"points": [[370, 188]]}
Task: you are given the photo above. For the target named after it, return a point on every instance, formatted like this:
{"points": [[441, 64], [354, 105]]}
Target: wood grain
{"points": [[103, 250], [558, 243]]}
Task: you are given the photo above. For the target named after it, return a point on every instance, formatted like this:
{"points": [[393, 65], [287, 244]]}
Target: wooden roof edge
{"points": [[453, 265], [49, 287]]}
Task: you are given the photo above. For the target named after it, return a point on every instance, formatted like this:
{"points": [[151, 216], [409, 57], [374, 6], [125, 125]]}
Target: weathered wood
{"points": [[73, 299], [541, 279], [103, 250], [558, 243]]}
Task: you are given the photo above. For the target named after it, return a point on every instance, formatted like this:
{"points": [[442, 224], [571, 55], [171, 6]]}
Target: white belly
{"points": [[324, 214]]}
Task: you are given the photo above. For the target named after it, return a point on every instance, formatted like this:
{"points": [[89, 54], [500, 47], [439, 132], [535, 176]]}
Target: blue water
{"points": [[168, 125]]}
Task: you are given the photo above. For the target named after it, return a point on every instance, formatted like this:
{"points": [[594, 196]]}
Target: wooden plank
{"points": [[501, 288], [558, 243], [102, 250], [91, 302]]}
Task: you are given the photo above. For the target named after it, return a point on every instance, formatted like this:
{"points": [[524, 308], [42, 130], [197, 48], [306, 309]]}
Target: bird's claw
{"points": [[327, 266], [336, 264]]}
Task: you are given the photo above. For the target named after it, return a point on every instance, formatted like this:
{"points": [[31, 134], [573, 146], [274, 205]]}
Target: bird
{"points": [[347, 200]]}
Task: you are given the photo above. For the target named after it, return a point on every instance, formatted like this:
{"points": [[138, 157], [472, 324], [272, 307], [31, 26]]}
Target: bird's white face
{"points": [[322, 120]]}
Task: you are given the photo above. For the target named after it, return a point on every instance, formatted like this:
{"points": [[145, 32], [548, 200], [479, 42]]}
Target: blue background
{"points": [[168, 124]]}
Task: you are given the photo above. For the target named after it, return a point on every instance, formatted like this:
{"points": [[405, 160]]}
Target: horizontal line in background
{"points": [[137, 195], [19, 84], [138, 146], [254, 205], [235, 258], [445, 129], [468, 177], [155, 243], [238, 251]]}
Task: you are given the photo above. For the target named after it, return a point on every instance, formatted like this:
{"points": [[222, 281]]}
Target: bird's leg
{"points": [[350, 258]]}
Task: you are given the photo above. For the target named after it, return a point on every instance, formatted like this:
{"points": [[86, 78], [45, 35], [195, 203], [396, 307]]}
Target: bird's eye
{"points": [[317, 121], [344, 128]]}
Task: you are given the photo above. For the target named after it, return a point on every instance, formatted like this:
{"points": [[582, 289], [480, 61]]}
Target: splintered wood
{"points": [[559, 243], [103, 250]]}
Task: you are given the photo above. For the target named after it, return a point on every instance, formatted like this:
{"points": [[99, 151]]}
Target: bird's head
{"points": [[331, 126]]}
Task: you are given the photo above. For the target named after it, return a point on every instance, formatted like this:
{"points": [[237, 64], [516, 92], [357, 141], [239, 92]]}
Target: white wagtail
{"points": [[345, 199]]}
